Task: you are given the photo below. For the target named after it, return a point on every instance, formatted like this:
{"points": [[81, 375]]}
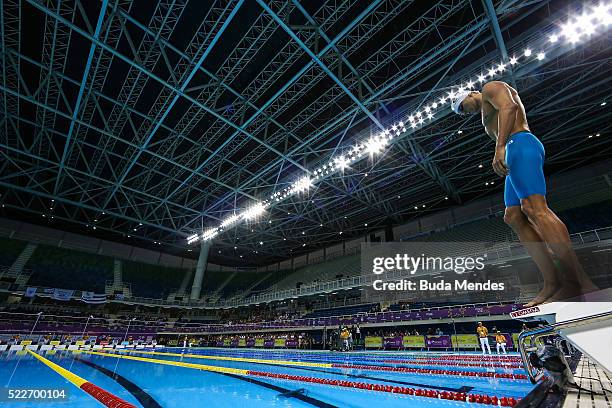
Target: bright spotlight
{"points": [[570, 32], [210, 234], [527, 52], [254, 211], [374, 145], [303, 184], [230, 220]]}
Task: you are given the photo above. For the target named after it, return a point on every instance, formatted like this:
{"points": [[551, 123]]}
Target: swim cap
{"points": [[459, 97]]}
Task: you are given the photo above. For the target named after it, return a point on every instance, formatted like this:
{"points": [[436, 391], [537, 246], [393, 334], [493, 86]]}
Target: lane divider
{"points": [[503, 365], [216, 369], [419, 392], [433, 371], [238, 359], [103, 396], [345, 366]]}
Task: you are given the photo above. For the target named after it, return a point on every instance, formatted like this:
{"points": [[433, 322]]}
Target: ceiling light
{"points": [[374, 145], [254, 211], [230, 220]]}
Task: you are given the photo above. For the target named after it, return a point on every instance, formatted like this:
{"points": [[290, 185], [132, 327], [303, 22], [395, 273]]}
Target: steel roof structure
{"points": [[147, 121]]}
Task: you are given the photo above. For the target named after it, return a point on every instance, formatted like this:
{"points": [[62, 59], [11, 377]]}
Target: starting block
{"points": [[586, 325]]}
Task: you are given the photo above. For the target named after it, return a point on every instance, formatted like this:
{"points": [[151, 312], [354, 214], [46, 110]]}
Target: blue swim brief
{"points": [[525, 159]]}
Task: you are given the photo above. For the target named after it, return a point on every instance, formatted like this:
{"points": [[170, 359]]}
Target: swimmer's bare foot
{"points": [[546, 293], [566, 294], [588, 288]]}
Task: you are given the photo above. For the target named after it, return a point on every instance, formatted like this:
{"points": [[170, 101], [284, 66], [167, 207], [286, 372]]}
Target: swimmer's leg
{"points": [[533, 243], [525, 157], [537, 249], [575, 281]]}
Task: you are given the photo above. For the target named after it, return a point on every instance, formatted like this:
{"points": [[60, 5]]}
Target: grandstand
{"points": [[263, 203]]}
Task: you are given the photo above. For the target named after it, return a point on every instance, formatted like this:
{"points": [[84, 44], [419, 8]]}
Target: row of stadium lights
{"points": [[572, 32]]}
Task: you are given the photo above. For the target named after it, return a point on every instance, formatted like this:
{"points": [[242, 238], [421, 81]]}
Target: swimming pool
{"points": [[276, 378]]}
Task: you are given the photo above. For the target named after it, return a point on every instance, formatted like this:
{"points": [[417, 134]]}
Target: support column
{"points": [[200, 270], [117, 274]]}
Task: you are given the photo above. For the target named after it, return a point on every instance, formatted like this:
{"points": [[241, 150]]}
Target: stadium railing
{"points": [[504, 251], [12, 323]]}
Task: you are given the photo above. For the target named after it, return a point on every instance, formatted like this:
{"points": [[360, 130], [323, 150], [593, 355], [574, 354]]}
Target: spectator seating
{"points": [[152, 281], [340, 311], [68, 269], [10, 250]]}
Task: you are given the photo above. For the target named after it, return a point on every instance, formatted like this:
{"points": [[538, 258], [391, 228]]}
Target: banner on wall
{"points": [[54, 342], [392, 342], [242, 343], [259, 342], [251, 343], [413, 342], [373, 342], [438, 341], [62, 294], [465, 341], [515, 338], [268, 343], [227, 342], [280, 342], [93, 298]]}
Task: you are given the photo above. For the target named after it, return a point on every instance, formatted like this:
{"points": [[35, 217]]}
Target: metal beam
{"points": [[176, 97], [497, 35], [77, 105]]}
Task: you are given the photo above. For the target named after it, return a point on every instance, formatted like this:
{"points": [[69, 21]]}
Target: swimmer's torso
{"points": [[489, 116]]}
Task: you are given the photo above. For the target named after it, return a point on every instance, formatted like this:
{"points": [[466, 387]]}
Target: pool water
{"points": [[256, 383]]}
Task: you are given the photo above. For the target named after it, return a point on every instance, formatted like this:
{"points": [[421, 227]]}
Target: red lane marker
{"points": [[452, 363], [433, 371], [470, 357], [105, 397], [419, 392]]}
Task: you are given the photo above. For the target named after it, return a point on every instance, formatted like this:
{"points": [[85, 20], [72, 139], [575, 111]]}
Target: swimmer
{"points": [[519, 157]]}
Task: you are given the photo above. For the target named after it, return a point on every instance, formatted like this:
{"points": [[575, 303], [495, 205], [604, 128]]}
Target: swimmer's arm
{"points": [[498, 95]]}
